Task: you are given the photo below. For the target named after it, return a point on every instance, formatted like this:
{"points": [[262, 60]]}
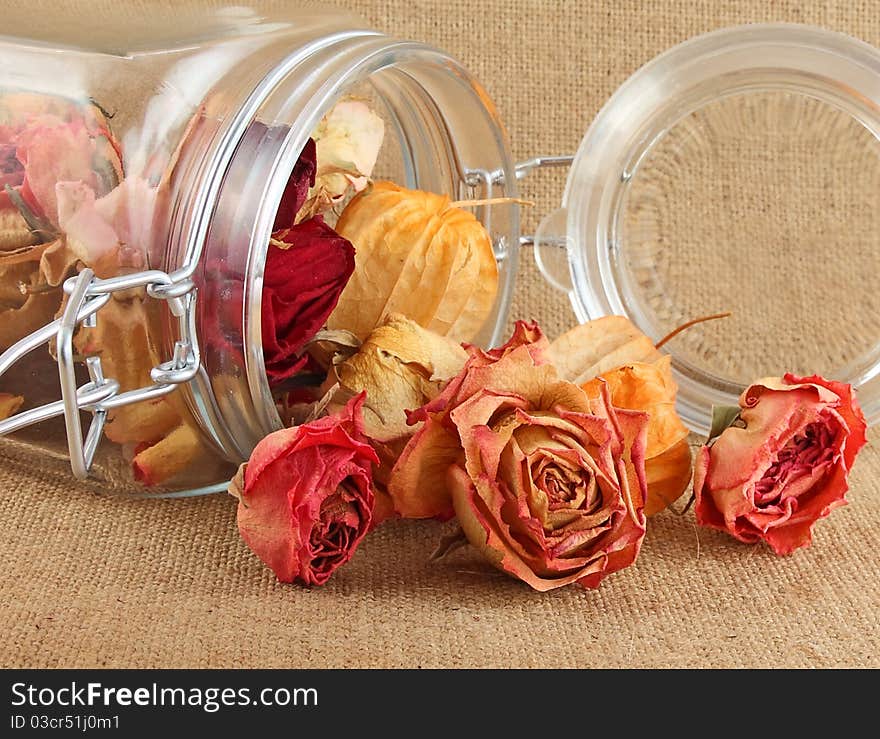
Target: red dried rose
{"points": [[784, 465], [307, 267], [306, 498]]}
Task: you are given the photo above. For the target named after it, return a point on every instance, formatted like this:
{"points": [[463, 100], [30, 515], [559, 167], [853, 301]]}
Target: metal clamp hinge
{"points": [[486, 180], [86, 296]]}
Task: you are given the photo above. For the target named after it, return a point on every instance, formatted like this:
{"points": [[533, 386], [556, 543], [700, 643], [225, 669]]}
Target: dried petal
{"points": [[418, 256], [25, 303], [401, 366], [158, 463], [124, 337], [348, 139], [649, 388], [669, 475], [598, 346], [9, 404]]}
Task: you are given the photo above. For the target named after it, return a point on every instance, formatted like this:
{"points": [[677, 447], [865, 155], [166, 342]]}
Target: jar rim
{"points": [[828, 66]]}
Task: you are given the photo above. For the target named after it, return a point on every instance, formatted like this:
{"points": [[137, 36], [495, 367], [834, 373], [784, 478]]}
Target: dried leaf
{"points": [[449, 543], [723, 416], [14, 231], [401, 366], [598, 346], [236, 485], [419, 257], [9, 405]]}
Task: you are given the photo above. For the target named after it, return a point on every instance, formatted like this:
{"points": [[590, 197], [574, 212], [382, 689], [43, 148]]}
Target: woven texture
{"points": [[95, 581]]}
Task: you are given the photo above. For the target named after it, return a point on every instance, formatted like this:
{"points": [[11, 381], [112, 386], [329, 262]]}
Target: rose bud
{"points": [[782, 464], [305, 497], [400, 366], [307, 267], [548, 485]]}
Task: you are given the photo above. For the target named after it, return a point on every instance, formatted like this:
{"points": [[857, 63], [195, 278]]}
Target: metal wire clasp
{"points": [[86, 296]]}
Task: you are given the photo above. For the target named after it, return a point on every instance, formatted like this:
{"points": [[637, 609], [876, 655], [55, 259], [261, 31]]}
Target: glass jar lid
{"points": [[736, 172]]}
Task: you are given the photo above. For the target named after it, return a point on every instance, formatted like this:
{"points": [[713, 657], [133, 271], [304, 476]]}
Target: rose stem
{"points": [[687, 325]]}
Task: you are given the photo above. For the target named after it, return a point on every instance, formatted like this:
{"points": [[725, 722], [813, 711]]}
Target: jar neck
{"points": [[428, 98]]}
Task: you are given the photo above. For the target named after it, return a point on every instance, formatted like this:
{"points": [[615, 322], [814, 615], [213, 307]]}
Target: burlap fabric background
{"points": [[92, 581]]}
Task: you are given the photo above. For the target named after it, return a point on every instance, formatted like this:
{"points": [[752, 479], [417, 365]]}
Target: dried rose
{"points": [[784, 462], [348, 141], [107, 234], [401, 367], [307, 267], [612, 351], [419, 256], [9, 404], [547, 484], [46, 140], [301, 180], [305, 496]]}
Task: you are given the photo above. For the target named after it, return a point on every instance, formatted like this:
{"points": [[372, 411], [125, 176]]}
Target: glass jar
{"points": [[181, 135], [133, 303]]}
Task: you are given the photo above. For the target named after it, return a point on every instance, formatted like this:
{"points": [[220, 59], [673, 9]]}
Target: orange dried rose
{"points": [[548, 485], [613, 352], [417, 255]]}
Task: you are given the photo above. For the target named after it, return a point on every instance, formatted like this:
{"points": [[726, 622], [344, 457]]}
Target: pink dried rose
{"points": [[305, 497], [783, 464], [548, 485], [46, 140]]}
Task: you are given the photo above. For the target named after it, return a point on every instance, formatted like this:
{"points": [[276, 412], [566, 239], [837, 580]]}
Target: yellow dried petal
{"points": [[9, 404], [401, 366], [595, 347], [163, 461], [417, 256], [124, 339]]}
